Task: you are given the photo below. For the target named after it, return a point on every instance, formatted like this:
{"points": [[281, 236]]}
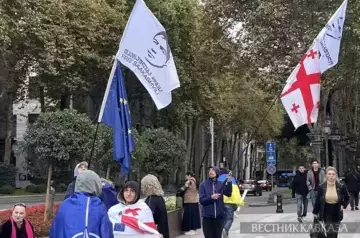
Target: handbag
{"points": [[318, 229]]}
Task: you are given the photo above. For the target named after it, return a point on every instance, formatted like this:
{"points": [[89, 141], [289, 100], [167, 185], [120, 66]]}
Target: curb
{"points": [[271, 204], [28, 198], [285, 201]]}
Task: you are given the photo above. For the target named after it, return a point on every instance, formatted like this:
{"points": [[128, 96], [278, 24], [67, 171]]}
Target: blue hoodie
{"points": [[213, 208], [83, 207]]}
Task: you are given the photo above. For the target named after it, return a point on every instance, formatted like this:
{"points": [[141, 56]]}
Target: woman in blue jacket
{"points": [[83, 214], [211, 193]]}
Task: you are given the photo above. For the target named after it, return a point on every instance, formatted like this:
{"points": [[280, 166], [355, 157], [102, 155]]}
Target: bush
{"points": [[40, 188], [7, 174], [35, 214], [31, 188], [60, 188], [7, 189], [170, 203]]}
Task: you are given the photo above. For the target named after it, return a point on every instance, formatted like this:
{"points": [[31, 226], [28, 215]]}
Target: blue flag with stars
{"points": [[115, 113]]}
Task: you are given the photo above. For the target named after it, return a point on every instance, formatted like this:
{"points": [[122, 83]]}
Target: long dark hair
{"points": [[191, 174]]}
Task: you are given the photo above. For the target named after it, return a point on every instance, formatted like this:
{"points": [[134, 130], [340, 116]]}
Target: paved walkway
{"points": [[349, 216]]}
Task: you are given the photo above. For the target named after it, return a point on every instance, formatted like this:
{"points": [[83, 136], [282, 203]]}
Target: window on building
{"points": [[32, 117]]}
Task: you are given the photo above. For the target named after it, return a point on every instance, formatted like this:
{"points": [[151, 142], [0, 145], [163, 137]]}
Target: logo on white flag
{"points": [[330, 38], [159, 53], [146, 52]]}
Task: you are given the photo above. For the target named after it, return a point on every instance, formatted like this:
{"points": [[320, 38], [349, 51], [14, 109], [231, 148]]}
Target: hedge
{"points": [[7, 174]]}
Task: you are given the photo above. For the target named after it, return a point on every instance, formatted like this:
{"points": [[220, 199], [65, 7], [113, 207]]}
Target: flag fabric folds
{"points": [[115, 113], [330, 38], [145, 50], [301, 94]]}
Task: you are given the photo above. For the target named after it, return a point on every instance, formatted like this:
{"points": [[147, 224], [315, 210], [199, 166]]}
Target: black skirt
{"points": [[191, 217]]}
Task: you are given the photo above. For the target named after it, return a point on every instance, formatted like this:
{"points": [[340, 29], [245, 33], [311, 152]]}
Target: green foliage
{"points": [[165, 152], [41, 188], [7, 174], [59, 138], [7, 189], [60, 188], [31, 188], [293, 154]]}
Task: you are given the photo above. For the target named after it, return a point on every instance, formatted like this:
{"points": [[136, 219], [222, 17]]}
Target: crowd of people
{"points": [[93, 208], [329, 196]]}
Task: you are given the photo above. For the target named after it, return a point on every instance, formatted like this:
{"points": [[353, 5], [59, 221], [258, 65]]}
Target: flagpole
{"points": [[256, 131], [101, 112]]}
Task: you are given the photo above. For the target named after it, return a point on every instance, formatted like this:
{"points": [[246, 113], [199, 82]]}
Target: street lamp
{"points": [[327, 132]]}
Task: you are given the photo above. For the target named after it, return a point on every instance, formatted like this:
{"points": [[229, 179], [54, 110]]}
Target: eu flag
{"points": [[115, 113]]}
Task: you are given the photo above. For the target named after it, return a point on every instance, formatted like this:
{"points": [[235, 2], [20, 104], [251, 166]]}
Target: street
{"points": [[253, 216]]}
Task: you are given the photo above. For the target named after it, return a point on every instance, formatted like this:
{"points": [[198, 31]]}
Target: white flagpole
{"points": [[106, 94]]}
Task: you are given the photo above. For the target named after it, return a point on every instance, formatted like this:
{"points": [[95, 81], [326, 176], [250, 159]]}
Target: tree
{"points": [[165, 152], [55, 141]]}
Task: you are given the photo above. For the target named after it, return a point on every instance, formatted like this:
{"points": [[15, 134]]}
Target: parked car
{"points": [[265, 185], [252, 186]]}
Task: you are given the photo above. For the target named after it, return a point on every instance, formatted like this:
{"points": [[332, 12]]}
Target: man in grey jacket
{"points": [[315, 177]]}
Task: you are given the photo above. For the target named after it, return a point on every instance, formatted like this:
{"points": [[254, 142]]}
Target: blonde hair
{"points": [[150, 185], [330, 168]]}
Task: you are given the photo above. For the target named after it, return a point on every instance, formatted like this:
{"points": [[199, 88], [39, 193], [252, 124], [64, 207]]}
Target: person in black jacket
{"points": [[300, 188], [151, 188], [352, 181], [331, 200]]}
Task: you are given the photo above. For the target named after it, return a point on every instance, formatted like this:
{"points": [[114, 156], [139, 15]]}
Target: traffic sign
{"points": [[270, 146], [334, 137], [270, 153], [271, 169]]}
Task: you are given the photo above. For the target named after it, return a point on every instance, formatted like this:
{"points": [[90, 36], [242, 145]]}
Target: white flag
{"points": [[330, 38], [144, 49]]}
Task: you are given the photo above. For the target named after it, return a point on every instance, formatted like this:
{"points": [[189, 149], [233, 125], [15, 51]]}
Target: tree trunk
{"points": [[9, 128], [48, 205], [108, 170], [42, 99]]}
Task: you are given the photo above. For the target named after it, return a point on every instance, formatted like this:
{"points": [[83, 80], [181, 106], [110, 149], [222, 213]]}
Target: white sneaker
{"points": [[190, 233]]}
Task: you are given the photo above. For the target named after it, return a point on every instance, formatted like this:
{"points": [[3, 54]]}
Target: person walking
{"points": [[332, 198], [17, 226], [300, 191], [211, 193], [314, 178], [191, 217], [231, 204], [83, 214], [151, 188], [352, 181]]}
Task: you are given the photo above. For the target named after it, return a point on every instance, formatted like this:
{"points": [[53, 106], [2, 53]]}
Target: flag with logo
{"points": [[145, 50], [330, 38], [115, 113], [301, 94]]}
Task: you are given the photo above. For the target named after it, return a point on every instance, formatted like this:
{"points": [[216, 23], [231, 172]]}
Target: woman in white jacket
{"points": [[132, 216]]}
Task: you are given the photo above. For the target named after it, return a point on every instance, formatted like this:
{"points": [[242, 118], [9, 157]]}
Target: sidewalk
{"points": [[349, 216]]}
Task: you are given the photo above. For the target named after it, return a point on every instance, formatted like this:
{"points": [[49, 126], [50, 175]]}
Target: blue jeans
{"points": [[302, 204], [313, 195], [229, 216]]}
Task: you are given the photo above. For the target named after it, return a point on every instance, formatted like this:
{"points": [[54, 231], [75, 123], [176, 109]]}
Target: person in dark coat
{"points": [[352, 181], [211, 193], [17, 226], [151, 188], [331, 200], [80, 168], [300, 189]]}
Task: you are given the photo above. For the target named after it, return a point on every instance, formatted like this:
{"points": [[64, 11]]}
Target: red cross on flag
{"points": [[301, 94]]}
